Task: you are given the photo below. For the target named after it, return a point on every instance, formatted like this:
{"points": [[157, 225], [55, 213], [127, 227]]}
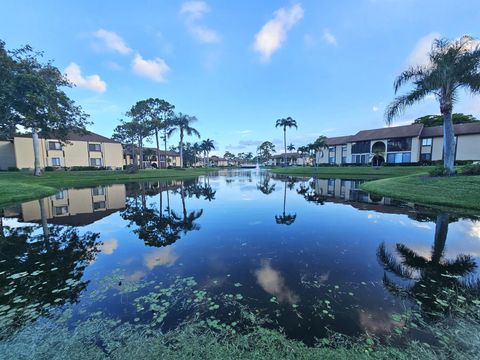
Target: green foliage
{"points": [[437, 120], [439, 170], [472, 169], [265, 150]]}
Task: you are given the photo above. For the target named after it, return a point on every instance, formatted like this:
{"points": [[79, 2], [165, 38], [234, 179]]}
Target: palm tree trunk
{"points": [[284, 197], [441, 230], [134, 155], [165, 144], [285, 146], [43, 217], [140, 150], [158, 149], [448, 142], [161, 199], [182, 193], [36, 153], [181, 148]]}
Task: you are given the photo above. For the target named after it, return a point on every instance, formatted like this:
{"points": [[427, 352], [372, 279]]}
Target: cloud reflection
{"points": [[160, 257], [108, 246], [272, 282]]}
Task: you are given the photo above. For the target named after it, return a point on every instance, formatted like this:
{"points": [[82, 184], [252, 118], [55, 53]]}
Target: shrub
{"points": [[87, 168], [472, 169], [13, 168], [49, 168], [131, 169], [438, 171]]}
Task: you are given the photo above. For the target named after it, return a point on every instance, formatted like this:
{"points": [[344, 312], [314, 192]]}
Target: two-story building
{"points": [[400, 144], [79, 150]]}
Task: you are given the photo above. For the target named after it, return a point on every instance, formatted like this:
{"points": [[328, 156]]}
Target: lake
{"points": [[232, 250]]}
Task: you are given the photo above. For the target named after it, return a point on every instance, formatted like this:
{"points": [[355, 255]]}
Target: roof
{"points": [[217, 158], [339, 140], [76, 136], [459, 129], [388, 133], [289, 155]]}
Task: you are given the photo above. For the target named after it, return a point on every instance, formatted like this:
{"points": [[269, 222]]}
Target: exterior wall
{"points": [[76, 153], [113, 154], [7, 155], [24, 152], [468, 147], [437, 149], [416, 145], [321, 156], [77, 201]]}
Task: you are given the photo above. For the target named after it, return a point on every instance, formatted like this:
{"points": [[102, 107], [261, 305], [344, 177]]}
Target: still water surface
{"points": [[232, 249]]}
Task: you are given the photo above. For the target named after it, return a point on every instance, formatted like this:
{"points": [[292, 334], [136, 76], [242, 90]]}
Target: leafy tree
{"points": [[229, 157], [207, 146], [437, 120], [141, 113], [265, 150], [31, 96], [128, 132], [183, 124], [284, 123], [453, 65]]}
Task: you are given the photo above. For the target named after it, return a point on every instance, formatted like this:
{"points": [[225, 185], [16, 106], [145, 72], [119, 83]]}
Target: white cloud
{"points": [[329, 38], [375, 109], [272, 35], [91, 82], [160, 257], [193, 12], [155, 69], [112, 41], [419, 54]]}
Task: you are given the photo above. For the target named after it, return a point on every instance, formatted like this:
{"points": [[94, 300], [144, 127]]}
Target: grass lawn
{"points": [[409, 183], [352, 172], [19, 186]]}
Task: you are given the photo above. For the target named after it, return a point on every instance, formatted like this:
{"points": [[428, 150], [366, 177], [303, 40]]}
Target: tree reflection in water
{"points": [[285, 219], [158, 227], [42, 268], [436, 279], [264, 185]]}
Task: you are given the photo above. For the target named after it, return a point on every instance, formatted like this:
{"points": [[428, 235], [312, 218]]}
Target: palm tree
{"points": [[302, 150], [291, 147], [197, 149], [285, 219], [207, 146], [453, 65], [284, 123], [318, 145], [431, 276], [183, 124]]}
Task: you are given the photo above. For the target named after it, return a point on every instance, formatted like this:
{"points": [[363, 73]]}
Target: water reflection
{"points": [[432, 276], [285, 218], [273, 282], [42, 268]]}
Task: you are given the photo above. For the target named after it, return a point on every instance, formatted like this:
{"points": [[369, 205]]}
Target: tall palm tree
{"points": [[318, 145], [183, 124], [291, 147], [430, 276], [284, 123], [207, 146], [197, 149], [452, 65]]}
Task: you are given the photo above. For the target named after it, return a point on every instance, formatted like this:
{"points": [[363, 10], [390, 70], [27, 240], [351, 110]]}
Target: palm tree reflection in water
{"points": [[285, 219], [435, 279]]}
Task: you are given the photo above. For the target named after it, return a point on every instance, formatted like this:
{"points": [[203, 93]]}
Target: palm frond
{"points": [[393, 288], [414, 73], [462, 265], [389, 263], [410, 258], [400, 103]]}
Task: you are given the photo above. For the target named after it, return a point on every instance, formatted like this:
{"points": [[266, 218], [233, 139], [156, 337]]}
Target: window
{"points": [[54, 145], [60, 195], [361, 147], [425, 157], [56, 161], [98, 191], [344, 159], [399, 158], [95, 162], [403, 144], [427, 142], [61, 210], [94, 147], [99, 205], [360, 159], [331, 160]]}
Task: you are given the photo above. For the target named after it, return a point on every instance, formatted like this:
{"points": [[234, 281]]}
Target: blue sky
{"points": [[240, 65]]}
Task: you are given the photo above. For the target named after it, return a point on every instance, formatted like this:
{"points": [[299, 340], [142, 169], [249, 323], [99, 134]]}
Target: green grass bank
{"points": [[410, 183], [19, 186]]}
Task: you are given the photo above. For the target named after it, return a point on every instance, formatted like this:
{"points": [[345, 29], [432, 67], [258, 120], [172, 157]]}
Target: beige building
{"points": [[79, 150], [292, 159], [76, 207], [400, 144], [168, 158]]}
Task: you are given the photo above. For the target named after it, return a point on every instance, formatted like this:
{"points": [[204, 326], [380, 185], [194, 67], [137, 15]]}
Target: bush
{"points": [[131, 169], [87, 168], [438, 171], [472, 169], [13, 168], [49, 168]]}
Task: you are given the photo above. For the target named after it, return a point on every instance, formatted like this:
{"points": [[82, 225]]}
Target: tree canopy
{"points": [[437, 120]]}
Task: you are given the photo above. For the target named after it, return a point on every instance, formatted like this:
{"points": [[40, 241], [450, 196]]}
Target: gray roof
{"points": [[459, 129], [339, 140], [76, 136], [289, 155], [389, 133]]}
